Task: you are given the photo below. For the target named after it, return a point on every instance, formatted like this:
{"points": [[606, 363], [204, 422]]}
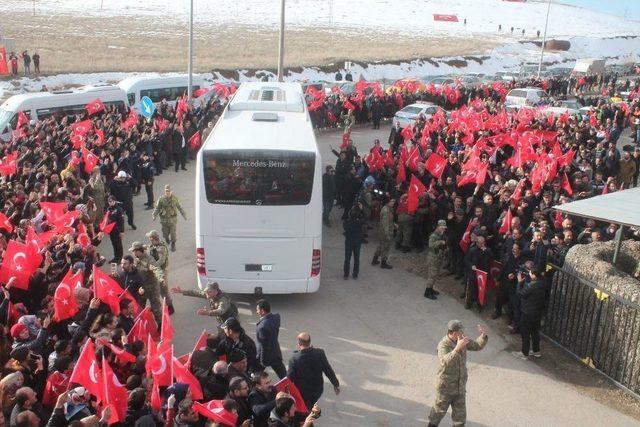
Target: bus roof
{"points": [[130, 82], [13, 103], [264, 116]]}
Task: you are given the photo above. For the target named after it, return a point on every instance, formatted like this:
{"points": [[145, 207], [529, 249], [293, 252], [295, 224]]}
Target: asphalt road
{"points": [[379, 333]]}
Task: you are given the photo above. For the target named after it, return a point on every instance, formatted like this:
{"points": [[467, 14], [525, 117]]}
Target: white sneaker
{"points": [[520, 355], [536, 354]]}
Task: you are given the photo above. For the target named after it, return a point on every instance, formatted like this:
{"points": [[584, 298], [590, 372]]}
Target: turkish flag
{"points": [[348, 105], [107, 290], [467, 178], [159, 365], [517, 192], [494, 272], [407, 132], [566, 159], [83, 237], [144, 326], [506, 222], [416, 189], [566, 185], [90, 160], [195, 141], [287, 386], [182, 375], [120, 353], [314, 106], [99, 136], [127, 295], [22, 120], [481, 176], [332, 117], [17, 263], [166, 334], [388, 158], [8, 166], [345, 139], [81, 128], [33, 242], [5, 223], [105, 225], [156, 402], [414, 159], [481, 280], [401, 175], [65, 223], [466, 239], [87, 372], [57, 383], [201, 344], [94, 107], [114, 395], [445, 18], [53, 210], [65, 305], [374, 161], [435, 164], [199, 92], [221, 90], [215, 411], [160, 124], [132, 119]]}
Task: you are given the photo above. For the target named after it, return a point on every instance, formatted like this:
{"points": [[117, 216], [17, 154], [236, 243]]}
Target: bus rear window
{"points": [[259, 177]]}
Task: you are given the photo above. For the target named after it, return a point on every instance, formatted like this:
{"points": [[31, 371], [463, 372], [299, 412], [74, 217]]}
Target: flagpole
{"points": [[190, 66], [281, 43], [544, 38]]}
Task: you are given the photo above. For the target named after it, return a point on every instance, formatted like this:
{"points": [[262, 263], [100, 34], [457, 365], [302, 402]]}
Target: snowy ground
{"points": [[411, 17]]}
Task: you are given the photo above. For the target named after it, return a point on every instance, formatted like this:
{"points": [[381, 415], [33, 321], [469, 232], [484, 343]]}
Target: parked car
{"points": [[528, 96], [441, 81], [410, 113]]}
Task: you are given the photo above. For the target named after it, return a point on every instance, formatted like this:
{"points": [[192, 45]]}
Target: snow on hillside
{"points": [[410, 17]]}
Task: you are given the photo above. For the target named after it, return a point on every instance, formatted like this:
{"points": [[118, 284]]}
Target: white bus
{"points": [[158, 88], [259, 195], [40, 105]]}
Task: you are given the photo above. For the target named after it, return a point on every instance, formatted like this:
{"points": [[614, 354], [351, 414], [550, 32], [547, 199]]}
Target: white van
{"points": [[259, 195], [170, 88], [589, 66], [40, 105], [526, 96]]}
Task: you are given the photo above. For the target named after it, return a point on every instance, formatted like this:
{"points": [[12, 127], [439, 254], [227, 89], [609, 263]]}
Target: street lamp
{"points": [[190, 66], [281, 44], [544, 38]]}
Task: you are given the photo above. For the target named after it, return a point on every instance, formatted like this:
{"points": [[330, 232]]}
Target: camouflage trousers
{"points": [[152, 294], [436, 265], [169, 231], [382, 250], [403, 237], [441, 405]]}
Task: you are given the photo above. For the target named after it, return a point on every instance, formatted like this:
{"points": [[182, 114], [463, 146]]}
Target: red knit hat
{"points": [[17, 329]]}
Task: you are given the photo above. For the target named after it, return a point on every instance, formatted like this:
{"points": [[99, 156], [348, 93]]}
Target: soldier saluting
{"points": [[167, 209], [451, 379]]}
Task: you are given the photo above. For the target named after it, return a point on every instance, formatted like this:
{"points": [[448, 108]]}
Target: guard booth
{"points": [[598, 322]]}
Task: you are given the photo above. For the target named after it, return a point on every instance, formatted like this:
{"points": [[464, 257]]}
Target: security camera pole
{"points": [[190, 66], [281, 44]]}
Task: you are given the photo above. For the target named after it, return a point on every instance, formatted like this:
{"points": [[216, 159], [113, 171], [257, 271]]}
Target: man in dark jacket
{"points": [[377, 109], [126, 316], [116, 215], [237, 339], [239, 393], [353, 228], [533, 297], [262, 399], [328, 194], [129, 278], [147, 175], [122, 189], [306, 368], [267, 330], [479, 257]]}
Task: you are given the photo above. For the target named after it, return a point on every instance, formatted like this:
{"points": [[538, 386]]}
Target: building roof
{"points": [[620, 207]]}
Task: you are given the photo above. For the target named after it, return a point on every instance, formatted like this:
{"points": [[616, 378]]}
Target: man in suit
{"points": [[306, 368], [267, 330]]}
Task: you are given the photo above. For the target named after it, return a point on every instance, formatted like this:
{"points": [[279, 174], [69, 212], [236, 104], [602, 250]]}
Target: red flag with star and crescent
{"points": [[94, 107], [114, 394], [5, 223], [416, 189], [182, 375], [482, 279], [435, 164], [161, 366], [105, 226], [107, 290], [18, 263], [166, 334], [87, 372], [65, 305], [90, 160], [120, 353]]}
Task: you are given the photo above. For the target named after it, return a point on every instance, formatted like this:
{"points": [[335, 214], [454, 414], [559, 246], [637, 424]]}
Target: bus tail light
{"points": [[315, 263], [202, 270]]}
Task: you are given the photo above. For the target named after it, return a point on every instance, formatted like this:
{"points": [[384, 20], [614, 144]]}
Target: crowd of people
{"points": [[472, 186], [475, 185]]}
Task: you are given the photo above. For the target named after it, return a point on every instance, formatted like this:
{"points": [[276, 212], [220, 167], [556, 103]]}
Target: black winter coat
{"points": [[268, 348]]}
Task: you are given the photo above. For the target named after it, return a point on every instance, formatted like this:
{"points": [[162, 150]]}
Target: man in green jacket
{"points": [[451, 379]]}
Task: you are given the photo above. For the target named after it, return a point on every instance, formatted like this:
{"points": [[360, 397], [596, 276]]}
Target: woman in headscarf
{"points": [[8, 387]]}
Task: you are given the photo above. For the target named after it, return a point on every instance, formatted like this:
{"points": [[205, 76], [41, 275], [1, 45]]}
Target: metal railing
{"points": [[598, 327]]}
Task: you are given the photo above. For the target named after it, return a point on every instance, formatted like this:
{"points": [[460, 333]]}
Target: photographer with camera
{"points": [[532, 293]]}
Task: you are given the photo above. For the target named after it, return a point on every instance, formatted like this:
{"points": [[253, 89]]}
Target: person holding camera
{"points": [[532, 291], [451, 378]]}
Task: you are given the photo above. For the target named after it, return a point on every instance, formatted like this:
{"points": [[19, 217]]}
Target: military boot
{"points": [[375, 260], [386, 265], [173, 246]]}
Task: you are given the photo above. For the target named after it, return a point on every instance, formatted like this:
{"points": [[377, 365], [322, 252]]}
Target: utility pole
{"points": [[281, 44], [544, 38], [190, 66]]}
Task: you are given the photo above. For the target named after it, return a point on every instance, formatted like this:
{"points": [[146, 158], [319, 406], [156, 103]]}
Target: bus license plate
{"points": [[267, 267]]}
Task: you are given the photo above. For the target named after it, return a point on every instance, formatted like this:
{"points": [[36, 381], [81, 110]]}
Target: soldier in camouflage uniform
{"points": [[220, 304], [436, 257], [147, 270], [386, 235], [159, 258], [167, 209], [405, 225], [451, 378]]}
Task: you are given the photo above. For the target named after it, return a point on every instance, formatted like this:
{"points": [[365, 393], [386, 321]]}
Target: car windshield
{"points": [[5, 117], [411, 110]]}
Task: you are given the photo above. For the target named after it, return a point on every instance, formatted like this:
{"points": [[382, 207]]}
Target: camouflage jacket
{"points": [[386, 222], [451, 378], [168, 208]]}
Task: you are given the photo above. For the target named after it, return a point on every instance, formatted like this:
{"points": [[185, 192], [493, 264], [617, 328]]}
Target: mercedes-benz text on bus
{"points": [[258, 195]]}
